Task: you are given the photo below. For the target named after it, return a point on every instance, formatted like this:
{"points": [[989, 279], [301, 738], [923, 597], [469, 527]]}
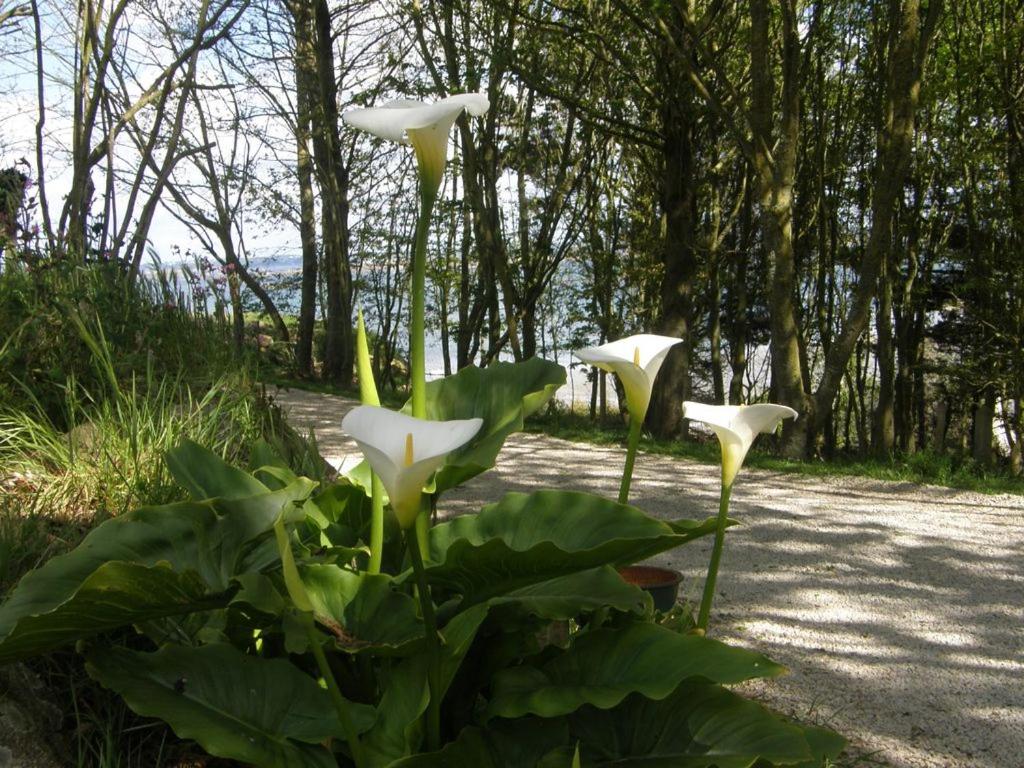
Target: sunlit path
{"points": [[899, 609]]}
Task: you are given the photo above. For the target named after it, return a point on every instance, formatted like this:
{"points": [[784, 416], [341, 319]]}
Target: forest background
{"points": [[825, 200]]}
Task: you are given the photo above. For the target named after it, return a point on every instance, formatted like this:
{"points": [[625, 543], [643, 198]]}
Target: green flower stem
{"points": [[376, 524], [423, 529], [635, 428], [716, 557], [417, 323], [340, 705], [433, 646], [300, 599], [368, 395]]}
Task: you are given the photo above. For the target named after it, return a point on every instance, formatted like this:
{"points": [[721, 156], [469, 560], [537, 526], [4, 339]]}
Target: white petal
{"points": [[764, 417], [386, 431], [736, 427], [712, 415], [621, 357], [382, 464], [382, 436], [384, 122], [393, 120], [652, 348]]}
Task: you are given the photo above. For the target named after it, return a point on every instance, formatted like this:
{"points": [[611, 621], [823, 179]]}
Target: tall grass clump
{"points": [[149, 324], [101, 375]]}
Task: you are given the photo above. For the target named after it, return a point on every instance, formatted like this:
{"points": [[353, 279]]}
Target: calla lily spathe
{"points": [[636, 360], [424, 126], [736, 427], [405, 451]]}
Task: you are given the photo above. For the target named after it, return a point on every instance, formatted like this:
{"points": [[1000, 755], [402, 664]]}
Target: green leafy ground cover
{"points": [[99, 378]]}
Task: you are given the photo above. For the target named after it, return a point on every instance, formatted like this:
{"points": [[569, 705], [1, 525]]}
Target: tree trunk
{"points": [[305, 80], [883, 429], [940, 424], [737, 323], [775, 157], [678, 203], [333, 177], [981, 442], [715, 332], [910, 39]]}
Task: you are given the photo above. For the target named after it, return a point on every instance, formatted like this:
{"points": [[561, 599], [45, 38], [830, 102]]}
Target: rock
{"points": [[29, 721]]}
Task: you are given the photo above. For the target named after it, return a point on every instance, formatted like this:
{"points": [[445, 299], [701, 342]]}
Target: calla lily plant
{"points": [[636, 360], [404, 452], [426, 128], [736, 427], [413, 681]]}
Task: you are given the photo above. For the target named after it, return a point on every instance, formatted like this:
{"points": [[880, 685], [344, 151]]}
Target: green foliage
{"points": [[529, 538], [606, 665], [696, 726], [263, 712], [62, 322], [363, 611], [100, 377], [540, 642], [503, 395]]}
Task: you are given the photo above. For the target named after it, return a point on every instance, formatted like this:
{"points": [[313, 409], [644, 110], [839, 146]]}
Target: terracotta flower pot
{"points": [[661, 583]]}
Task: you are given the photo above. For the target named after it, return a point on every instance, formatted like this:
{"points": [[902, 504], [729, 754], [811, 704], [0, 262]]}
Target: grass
{"points": [[924, 467], [99, 377]]}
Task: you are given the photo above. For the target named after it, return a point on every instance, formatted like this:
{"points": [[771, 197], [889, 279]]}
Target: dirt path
{"points": [[898, 608]]}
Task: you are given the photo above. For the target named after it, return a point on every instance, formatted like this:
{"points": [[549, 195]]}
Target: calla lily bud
{"points": [[736, 427], [404, 451]]}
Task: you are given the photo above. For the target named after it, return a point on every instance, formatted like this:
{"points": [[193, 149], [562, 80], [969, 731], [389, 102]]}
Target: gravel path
{"points": [[898, 608]]}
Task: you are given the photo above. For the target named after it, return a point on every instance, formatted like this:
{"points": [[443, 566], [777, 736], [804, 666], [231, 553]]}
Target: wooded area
{"points": [[824, 199]]}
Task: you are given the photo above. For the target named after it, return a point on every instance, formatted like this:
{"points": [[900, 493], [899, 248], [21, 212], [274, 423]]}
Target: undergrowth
{"points": [[923, 467], [99, 377]]}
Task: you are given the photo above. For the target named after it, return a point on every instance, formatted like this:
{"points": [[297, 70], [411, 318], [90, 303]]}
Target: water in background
{"points": [[280, 274]]}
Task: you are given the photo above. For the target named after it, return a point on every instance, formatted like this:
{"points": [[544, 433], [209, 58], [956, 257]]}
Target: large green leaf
{"points": [[115, 594], [399, 728], [698, 725], [605, 666], [200, 546], [260, 712], [398, 731], [566, 597], [826, 745], [206, 475], [506, 743], [362, 611], [529, 538], [503, 395]]}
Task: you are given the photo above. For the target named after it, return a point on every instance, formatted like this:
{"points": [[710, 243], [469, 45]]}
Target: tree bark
{"points": [[332, 174], [305, 84], [775, 157], [679, 213], [883, 435], [910, 40]]}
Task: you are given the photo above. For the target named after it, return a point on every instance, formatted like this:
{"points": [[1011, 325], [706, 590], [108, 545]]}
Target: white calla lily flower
{"points": [[736, 427], [424, 126], [405, 451], [636, 360]]}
